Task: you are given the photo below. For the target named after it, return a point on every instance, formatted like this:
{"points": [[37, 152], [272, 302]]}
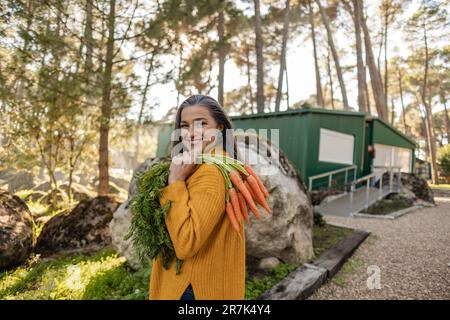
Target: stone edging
{"points": [[302, 282], [389, 216]]}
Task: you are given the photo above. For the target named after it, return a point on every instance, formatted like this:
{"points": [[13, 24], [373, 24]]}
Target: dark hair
{"points": [[216, 111]]}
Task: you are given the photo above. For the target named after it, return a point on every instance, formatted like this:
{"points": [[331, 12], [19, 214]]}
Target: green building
{"points": [[319, 141]]}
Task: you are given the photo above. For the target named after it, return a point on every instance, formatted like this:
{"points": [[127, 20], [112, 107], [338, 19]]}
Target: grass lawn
{"points": [[388, 205], [105, 275], [440, 186]]}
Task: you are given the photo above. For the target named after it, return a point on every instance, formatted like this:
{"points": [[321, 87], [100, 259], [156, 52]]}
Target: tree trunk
{"points": [[88, 40], [377, 86], [319, 94], [400, 85], [283, 56], [103, 185], [447, 122], [287, 87], [259, 59], [386, 79], [392, 112], [221, 32], [366, 89], [326, 22], [330, 78], [249, 80], [359, 59], [428, 113]]}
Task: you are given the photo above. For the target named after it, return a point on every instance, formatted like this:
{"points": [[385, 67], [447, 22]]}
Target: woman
{"points": [[213, 253]]}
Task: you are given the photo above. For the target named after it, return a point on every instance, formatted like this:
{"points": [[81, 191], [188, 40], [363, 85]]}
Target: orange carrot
{"points": [[258, 180], [232, 216], [250, 190], [258, 193], [237, 181], [243, 207], [255, 198], [235, 203]]}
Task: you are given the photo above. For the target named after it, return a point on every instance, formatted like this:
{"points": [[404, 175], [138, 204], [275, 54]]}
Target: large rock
{"points": [[79, 192], [6, 174], [287, 233], [119, 227], [34, 196], [16, 231], [85, 228], [44, 186], [412, 183], [121, 183], [413, 188], [60, 196], [20, 181], [120, 223]]}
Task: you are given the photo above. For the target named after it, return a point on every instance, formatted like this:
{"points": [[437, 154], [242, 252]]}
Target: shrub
{"points": [[444, 160]]}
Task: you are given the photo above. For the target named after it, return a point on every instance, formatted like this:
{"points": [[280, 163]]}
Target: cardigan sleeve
{"points": [[197, 207]]}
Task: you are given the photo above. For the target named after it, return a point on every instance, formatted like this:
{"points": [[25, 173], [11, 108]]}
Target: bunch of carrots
{"points": [[243, 189], [148, 230]]}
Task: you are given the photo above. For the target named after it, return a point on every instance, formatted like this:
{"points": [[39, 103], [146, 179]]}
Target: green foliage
{"points": [[148, 230], [444, 159], [103, 275], [318, 219], [389, 204], [255, 287]]}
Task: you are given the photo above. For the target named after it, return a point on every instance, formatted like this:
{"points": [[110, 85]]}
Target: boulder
{"points": [[412, 183], [119, 227], [82, 179], [414, 188], [35, 195], [44, 186], [79, 192], [60, 176], [16, 230], [269, 263], [287, 233], [20, 181], [121, 183], [6, 174], [120, 223], [85, 228], [61, 197]]}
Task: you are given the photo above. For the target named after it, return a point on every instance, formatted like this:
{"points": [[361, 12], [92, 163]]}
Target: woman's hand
{"points": [[181, 167]]}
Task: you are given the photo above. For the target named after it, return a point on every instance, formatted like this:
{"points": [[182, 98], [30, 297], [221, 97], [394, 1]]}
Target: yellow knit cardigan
{"points": [[213, 253]]}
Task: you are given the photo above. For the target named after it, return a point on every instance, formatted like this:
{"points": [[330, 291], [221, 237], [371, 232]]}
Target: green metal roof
{"points": [[395, 130], [301, 111], [315, 110]]}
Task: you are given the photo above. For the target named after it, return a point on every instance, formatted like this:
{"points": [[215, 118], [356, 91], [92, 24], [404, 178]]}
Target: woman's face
{"points": [[198, 128]]}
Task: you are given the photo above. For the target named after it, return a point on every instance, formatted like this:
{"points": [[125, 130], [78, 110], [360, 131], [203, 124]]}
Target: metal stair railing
{"points": [[368, 178], [330, 176]]}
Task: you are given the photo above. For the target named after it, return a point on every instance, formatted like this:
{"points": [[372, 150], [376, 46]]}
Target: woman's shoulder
{"points": [[206, 170], [207, 176]]}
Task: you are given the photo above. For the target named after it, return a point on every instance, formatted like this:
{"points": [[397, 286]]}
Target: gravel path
{"points": [[411, 252]]}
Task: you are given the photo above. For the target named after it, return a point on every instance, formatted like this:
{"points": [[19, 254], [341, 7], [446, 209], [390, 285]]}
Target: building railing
{"points": [[368, 179], [330, 176]]}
